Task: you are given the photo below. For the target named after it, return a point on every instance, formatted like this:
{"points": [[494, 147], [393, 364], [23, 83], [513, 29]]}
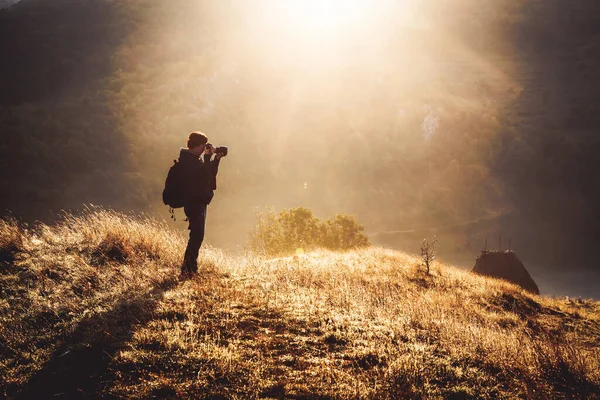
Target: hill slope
{"points": [[92, 305]]}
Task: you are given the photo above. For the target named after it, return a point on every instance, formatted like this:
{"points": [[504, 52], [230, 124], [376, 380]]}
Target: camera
{"points": [[221, 150]]}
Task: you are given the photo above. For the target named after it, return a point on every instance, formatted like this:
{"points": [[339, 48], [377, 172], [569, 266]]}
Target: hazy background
{"points": [[464, 119]]}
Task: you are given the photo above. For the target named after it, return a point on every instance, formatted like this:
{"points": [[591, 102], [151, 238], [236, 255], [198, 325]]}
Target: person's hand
{"points": [[209, 149]]}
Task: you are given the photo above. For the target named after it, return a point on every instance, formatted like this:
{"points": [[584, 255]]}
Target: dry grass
{"points": [[92, 305]]}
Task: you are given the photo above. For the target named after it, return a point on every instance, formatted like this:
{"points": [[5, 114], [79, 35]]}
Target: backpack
{"points": [[174, 193]]}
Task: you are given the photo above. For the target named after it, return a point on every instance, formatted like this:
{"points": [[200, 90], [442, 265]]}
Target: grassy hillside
{"points": [[93, 305]]}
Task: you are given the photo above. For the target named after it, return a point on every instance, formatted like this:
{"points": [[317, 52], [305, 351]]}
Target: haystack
{"points": [[505, 265]]}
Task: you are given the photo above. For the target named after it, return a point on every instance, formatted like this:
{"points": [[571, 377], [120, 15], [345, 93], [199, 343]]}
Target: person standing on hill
{"points": [[199, 175]]}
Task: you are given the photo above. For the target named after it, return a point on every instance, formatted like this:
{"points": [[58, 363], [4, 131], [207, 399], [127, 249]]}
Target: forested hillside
{"points": [[472, 112], [550, 141]]}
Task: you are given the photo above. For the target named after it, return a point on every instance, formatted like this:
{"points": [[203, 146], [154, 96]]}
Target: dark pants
{"points": [[196, 214]]}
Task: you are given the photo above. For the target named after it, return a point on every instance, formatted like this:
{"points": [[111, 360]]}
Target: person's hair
{"points": [[196, 139]]}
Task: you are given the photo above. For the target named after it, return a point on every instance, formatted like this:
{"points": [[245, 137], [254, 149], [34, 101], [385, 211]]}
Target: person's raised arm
{"points": [[213, 165]]}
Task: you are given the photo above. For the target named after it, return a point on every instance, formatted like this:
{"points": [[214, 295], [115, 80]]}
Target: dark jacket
{"points": [[200, 176]]}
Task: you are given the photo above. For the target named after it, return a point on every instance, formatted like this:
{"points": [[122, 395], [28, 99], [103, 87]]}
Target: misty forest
{"points": [[378, 151]]}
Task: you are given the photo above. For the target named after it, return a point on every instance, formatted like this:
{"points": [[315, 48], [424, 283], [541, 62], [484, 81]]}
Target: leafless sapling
{"points": [[428, 253]]}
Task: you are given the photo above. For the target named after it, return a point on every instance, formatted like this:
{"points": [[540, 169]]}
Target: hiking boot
{"points": [[184, 275]]}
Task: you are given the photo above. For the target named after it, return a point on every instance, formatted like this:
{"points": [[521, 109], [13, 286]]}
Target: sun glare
{"points": [[323, 15], [321, 18], [318, 23]]}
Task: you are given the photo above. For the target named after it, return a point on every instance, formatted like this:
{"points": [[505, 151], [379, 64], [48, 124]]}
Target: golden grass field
{"points": [[92, 308]]}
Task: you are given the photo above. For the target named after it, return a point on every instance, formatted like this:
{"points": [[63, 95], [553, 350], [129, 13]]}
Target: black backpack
{"points": [[174, 193]]}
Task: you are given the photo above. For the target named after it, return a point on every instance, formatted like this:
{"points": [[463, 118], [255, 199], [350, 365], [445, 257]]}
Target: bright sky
{"points": [[326, 20]]}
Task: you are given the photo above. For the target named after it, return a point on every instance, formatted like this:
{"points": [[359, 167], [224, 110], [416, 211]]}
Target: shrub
{"points": [[343, 232], [285, 232]]}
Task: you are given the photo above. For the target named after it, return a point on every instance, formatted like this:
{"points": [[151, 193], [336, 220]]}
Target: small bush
{"points": [[285, 232], [342, 232]]}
